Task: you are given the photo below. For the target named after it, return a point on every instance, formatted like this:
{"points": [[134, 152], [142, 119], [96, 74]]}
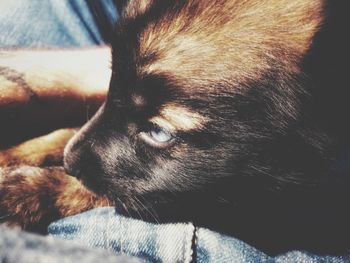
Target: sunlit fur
{"points": [[32, 197], [45, 150], [208, 44]]}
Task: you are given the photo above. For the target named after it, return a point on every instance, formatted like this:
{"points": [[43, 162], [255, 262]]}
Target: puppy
{"points": [[230, 114]]}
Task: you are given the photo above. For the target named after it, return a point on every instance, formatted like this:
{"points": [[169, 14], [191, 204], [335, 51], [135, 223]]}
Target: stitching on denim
{"points": [[188, 244], [194, 245]]}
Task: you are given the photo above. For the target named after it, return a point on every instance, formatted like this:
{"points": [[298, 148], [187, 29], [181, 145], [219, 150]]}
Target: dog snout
{"points": [[77, 153], [71, 160]]}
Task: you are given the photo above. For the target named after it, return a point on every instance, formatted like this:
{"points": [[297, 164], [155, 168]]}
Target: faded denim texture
{"points": [[53, 23], [21, 247], [103, 228]]}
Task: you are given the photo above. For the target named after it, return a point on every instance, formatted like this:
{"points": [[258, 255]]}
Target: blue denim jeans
{"points": [[55, 23], [181, 242]]}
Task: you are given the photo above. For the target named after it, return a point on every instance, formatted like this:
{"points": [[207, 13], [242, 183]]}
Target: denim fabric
{"points": [[103, 228], [21, 247], [52, 23]]}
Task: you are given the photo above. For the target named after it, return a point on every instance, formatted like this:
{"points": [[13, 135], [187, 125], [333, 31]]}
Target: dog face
{"points": [[204, 108]]}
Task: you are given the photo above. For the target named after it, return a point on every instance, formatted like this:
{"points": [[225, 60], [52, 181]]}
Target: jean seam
{"points": [[188, 251], [194, 246]]}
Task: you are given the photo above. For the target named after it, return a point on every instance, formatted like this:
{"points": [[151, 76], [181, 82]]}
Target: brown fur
{"points": [[41, 92], [41, 151], [11, 94], [250, 37], [137, 7], [32, 197], [178, 118], [37, 97]]}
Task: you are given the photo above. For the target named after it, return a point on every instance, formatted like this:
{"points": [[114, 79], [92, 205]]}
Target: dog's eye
{"points": [[158, 137]]}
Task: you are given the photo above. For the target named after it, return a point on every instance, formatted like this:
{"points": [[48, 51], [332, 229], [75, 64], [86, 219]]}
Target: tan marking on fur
{"points": [[44, 150], [230, 41], [137, 7], [138, 100], [178, 118]]}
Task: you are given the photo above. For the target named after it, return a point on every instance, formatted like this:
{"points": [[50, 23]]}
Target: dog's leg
{"points": [[46, 150], [32, 197]]}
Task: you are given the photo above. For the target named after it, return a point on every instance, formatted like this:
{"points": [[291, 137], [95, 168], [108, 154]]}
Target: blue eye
{"points": [[158, 137]]}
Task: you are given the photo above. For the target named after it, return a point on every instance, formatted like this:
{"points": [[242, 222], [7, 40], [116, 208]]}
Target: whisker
{"points": [[149, 209], [141, 205], [281, 179], [134, 204], [124, 206]]}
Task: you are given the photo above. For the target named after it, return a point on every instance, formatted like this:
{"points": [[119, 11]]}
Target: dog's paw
{"points": [[26, 196], [32, 197], [43, 151]]}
